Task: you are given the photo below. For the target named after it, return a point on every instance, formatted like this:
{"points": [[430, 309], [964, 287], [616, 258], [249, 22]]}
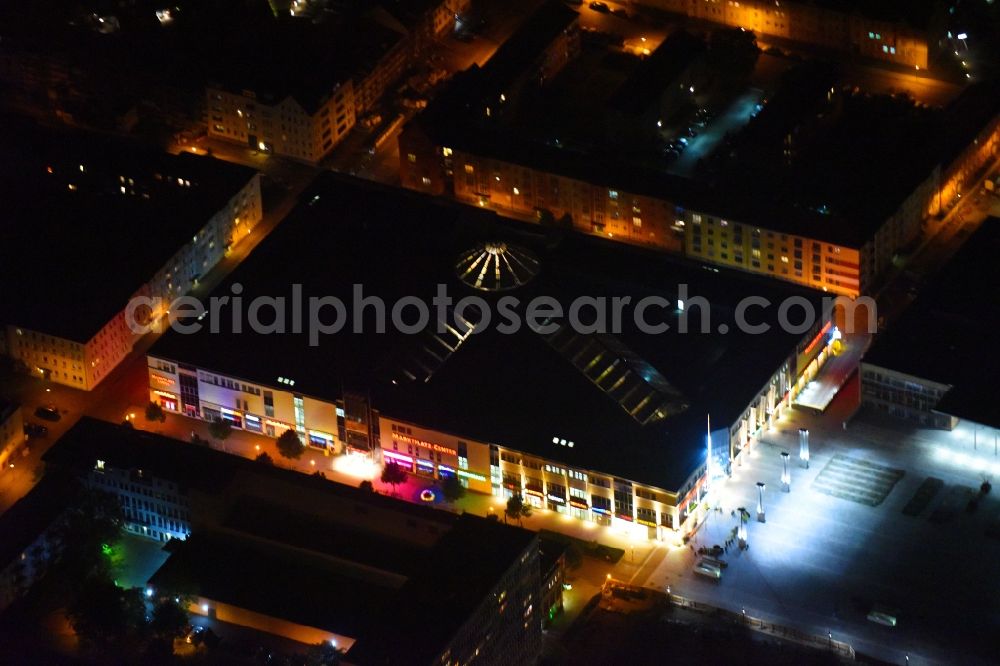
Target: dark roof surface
{"points": [[521, 50], [34, 513], [429, 609], [398, 243], [272, 581], [305, 59], [76, 257], [946, 335], [660, 69]]}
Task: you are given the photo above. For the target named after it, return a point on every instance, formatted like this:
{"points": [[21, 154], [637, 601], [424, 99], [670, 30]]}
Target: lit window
{"points": [[516, 191], [446, 152], [613, 195], [412, 158], [469, 168], [637, 221], [425, 180]]}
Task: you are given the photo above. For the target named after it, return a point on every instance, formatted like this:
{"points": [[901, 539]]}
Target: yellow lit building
{"points": [[870, 29]]}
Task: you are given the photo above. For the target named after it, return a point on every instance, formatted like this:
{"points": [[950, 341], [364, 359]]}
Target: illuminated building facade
{"points": [[877, 30], [82, 197], [11, 432]]}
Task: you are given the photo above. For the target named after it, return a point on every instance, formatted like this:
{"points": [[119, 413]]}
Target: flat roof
{"points": [[461, 569], [946, 334], [523, 48], [266, 520], [307, 59], [34, 513], [275, 581], [73, 257], [519, 389]]}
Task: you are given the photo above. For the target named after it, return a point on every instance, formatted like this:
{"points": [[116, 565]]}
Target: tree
{"points": [[290, 446], [323, 654], [517, 509], [367, 485], [104, 614], [394, 475], [155, 413], [452, 488], [264, 458], [220, 429], [573, 556], [169, 619]]}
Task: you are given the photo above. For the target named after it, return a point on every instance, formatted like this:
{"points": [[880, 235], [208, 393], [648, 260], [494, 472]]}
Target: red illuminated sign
{"points": [[419, 442], [819, 336]]}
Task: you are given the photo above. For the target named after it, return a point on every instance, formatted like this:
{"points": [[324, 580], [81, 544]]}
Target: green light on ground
{"points": [[106, 550]]}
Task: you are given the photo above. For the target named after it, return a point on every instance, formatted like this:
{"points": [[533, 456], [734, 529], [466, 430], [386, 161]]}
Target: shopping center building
{"points": [[608, 424]]}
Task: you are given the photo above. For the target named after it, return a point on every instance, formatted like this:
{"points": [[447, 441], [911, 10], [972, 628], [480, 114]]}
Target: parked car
{"points": [[708, 569], [600, 7], [48, 412]]}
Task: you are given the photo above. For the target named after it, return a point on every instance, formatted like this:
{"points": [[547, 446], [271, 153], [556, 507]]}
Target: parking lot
{"points": [[840, 542]]}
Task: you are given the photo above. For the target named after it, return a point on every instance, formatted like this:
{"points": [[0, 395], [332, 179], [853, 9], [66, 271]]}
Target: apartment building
{"points": [[77, 205], [11, 432], [903, 33]]}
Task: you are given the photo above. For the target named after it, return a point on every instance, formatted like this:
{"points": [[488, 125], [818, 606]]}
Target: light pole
{"points": [[741, 533], [804, 447], [786, 477], [760, 501]]}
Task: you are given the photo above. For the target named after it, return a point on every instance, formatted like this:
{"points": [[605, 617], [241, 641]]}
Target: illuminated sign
{"points": [[471, 475], [578, 503], [645, 522], [599, 510], [251, 417], [165, 394], [419, 442], [277, 424], [628, 518], [556, 498], [445, 468], [819, 336], [228, 411], [162, 381], [398, 456], [536, 493], [322, 435], [424, 463]]}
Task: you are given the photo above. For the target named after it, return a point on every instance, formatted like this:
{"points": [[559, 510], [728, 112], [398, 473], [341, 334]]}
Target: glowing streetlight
{"points": [[741, 532], [760, 501], [804, 447], [786, 477]]}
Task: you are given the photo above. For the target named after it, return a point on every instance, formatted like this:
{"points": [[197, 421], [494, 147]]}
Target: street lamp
{"points": [[786, 477], [804, 447], [741, 532], [760, 501]]}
